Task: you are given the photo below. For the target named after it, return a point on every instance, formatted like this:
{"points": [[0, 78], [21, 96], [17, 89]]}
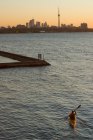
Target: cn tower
{"points": [[58, 18]]}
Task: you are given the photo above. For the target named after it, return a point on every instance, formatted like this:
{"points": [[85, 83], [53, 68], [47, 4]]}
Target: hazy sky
{"points": [[13, 12]]}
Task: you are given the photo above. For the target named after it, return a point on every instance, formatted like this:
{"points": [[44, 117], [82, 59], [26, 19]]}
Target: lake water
{"points": [[35, 102]]}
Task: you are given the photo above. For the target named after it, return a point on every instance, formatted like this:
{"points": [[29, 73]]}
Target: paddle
{"points": [[77, 108], [74, 110]]}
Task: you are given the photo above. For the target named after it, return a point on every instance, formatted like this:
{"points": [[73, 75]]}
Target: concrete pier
{"points": [[23, 61]]}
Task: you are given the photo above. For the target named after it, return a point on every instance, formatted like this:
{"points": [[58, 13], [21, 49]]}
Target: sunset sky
{"points": [[13, 12]]}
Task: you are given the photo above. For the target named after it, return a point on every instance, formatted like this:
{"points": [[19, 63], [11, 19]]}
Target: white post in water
{"points": [[40, 56], [43, 56]]}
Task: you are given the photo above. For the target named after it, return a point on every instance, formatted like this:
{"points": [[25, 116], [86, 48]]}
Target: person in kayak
{"points": [[72, 115]]}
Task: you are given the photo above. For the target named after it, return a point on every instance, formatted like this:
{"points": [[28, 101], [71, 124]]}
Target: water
{"points": [[6, 60], [35, 102]]}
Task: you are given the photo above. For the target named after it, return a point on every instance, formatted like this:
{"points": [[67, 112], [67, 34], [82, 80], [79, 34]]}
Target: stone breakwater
{"points": [[23, 61]]}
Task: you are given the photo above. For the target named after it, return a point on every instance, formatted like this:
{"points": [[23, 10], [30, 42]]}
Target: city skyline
{"points": [[37, 24], [14, 12]]}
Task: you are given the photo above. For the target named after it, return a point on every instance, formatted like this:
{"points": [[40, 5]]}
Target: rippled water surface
{"points": [[35, 102]]}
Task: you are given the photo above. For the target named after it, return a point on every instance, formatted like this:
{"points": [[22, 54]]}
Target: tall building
{"points": [[58, 18], [38, 24], [84, 25], [31, 23], [44, 24]]}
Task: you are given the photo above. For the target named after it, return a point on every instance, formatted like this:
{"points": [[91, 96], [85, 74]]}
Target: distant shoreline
{"points": [[4, 30]]}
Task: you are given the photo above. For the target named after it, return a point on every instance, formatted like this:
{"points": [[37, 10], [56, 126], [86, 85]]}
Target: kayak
{"points": [[72, 117], [72, 123]]}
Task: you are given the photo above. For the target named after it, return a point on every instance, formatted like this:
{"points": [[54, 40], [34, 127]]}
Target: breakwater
{"points": [[23, 61]]}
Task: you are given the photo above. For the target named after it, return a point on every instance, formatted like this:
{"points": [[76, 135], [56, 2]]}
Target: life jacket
{"points": [[72, 115]]}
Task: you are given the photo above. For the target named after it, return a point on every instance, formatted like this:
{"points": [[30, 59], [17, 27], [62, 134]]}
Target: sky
{"points": [[14, 12]]}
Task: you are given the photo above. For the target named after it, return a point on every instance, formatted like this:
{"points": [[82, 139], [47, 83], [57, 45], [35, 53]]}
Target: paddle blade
{"points": [[77, 107]]}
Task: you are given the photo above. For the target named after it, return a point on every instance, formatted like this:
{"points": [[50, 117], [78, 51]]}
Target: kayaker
{"points": [[72, 115]]}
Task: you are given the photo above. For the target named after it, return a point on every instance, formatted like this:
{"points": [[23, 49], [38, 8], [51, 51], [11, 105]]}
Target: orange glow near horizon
{"points": [[9, 22], [14, 12], [50, 22]]}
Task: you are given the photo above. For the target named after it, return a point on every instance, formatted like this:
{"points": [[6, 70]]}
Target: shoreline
{"points": [[4, 30]]}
